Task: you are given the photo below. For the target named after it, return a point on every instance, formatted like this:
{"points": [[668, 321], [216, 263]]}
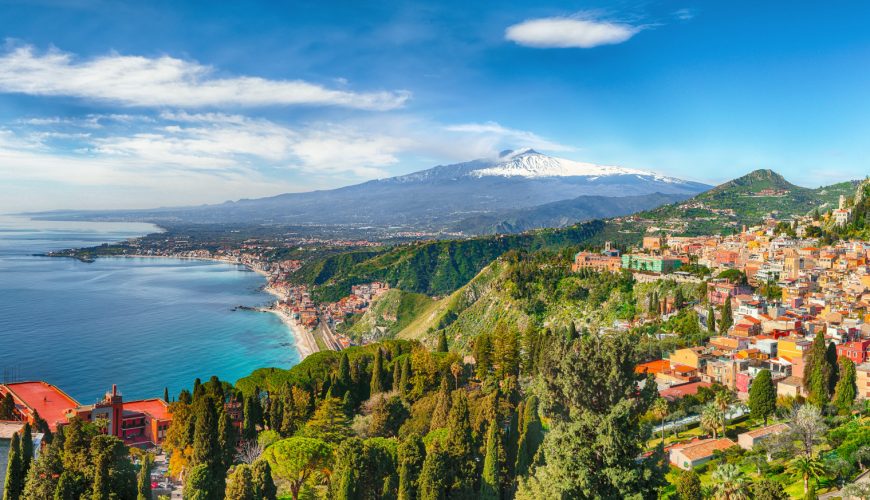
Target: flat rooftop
{"points": [[51, 402], [10, 427], [157, 408]]}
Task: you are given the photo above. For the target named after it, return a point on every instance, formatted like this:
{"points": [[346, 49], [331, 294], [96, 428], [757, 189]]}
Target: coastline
{"points": [[303, 339]]}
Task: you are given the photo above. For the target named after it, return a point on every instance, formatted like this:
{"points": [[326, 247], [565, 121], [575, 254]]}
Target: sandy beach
{"points": [[305, 342]]}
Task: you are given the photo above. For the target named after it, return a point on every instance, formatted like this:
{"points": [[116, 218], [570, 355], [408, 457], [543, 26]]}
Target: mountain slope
{"points": [[432, 199]]}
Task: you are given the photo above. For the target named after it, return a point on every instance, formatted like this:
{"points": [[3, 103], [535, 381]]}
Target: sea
{"points": [[141, 323]]}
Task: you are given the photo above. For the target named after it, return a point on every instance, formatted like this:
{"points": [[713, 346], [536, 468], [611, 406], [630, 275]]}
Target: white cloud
{"points": [[569, 32], [167, 81]]}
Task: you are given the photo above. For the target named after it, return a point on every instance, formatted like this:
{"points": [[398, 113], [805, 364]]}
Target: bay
{"points": [[141, 323]]}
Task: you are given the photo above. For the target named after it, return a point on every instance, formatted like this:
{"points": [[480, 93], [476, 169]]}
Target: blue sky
{"points": [[139, 104]]}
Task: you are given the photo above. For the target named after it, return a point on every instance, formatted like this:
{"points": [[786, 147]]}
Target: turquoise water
{"points": [[140, 323]]}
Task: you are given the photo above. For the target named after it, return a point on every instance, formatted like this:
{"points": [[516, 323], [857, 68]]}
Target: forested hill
{"points": [[433, 268]]}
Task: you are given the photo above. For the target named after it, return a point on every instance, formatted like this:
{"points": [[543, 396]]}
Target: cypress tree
{"points": [[817, 374], [397, 375], [679, 299], [185, 397], [14, 484], [846, 389], [70, 485], [434, 477], [727, 318], [711, 319], [343, 381], [166, 394], [460, 447], [289, 422], [442, 406], [144, 479], [762, 396], [264, 486], [411, 455], [405, 383], [531, 436], [490, 487], [442, 342], [227, 440], [26, 450], [42, 427], [249, 425], [206, 447], [198, 389], [7, 407], [377, 382], [277, 409], [833, 367], [572, 331]]}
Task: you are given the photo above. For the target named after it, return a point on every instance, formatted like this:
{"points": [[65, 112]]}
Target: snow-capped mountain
{"points": [[448, 195]]}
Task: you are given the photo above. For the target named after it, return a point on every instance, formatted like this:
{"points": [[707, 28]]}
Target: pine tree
{"points": [[490, 487], [817, 374], [727, 318], [762, 396], [14, 484], [264, 485], [240, 484], [143, 483], [26, 449], [377, 382], [442, 406], [846, 389], [411, 455], [442, 342]]}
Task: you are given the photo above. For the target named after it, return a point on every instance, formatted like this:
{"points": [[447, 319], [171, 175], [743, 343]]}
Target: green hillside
{"points": [[387, 315]]}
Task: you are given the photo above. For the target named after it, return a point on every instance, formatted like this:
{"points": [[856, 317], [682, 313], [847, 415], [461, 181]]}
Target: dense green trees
{"points": [[592, 449], [240, 484], [264, 485], [818, 372], [14, 484], [762, 396], [143, 479], [295, 460], [726, 319], [490, 485], [689, 486], [411, 455], [845, 390]]}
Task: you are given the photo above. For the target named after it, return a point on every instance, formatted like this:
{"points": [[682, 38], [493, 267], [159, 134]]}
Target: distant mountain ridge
{"points": [[440, 198]]}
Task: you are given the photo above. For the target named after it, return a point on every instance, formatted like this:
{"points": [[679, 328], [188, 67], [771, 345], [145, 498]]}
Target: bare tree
{"points": [[249, 451], [808, 427]]}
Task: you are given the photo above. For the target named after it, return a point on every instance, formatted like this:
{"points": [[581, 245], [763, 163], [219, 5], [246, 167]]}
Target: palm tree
{"points": [[710, 418], [660, 410], [804, 467], [730, 483], [723, 401]]}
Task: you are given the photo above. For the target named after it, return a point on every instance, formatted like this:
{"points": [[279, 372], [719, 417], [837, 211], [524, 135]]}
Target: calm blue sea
{"points": [[140, 323]]}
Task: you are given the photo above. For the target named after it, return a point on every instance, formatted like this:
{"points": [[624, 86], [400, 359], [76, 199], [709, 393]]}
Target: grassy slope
{"points": [[394, 311]]}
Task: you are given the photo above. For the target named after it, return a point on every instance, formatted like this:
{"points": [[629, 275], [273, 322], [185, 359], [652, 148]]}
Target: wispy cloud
{"points": [[579, 31], [167, 81], [501, 136]]}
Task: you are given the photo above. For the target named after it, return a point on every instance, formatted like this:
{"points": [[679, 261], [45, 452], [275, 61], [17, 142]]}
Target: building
{"points": [[137, 423], [748, 440], [862, 380], [856, 351], [50, 402], [651, 263], [695, 453], [597, 262], [653, 243], [790, 387]]}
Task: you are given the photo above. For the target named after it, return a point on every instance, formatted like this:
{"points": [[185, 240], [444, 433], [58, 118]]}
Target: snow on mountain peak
{"points": [[529, 163]]}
